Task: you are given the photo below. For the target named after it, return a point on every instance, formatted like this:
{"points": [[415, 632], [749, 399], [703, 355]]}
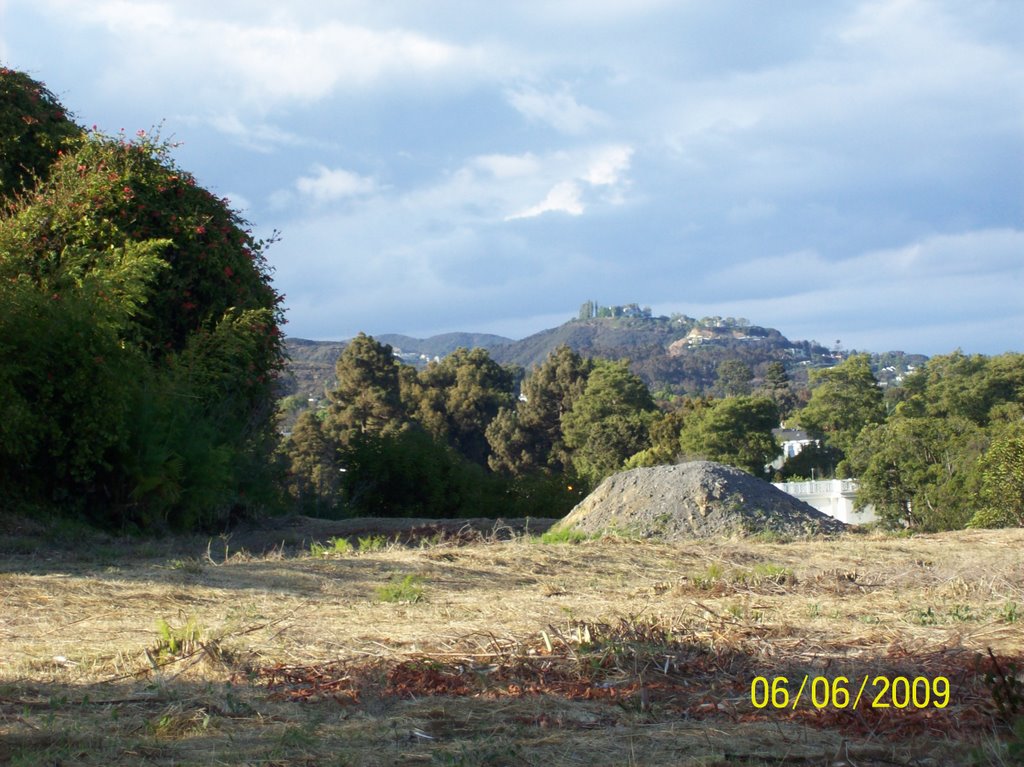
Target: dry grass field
{"points": [[287, 649]]}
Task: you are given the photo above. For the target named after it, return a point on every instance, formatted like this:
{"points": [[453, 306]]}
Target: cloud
{"points": [[560, 110], [328, 185], [257, 136], [505, 166], [564, 197], [608, 164], [934, 294], [598, 167], [262, 64]]}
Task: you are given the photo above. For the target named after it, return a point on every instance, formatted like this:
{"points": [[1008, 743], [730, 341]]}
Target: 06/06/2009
{"points": [[821, 692]]}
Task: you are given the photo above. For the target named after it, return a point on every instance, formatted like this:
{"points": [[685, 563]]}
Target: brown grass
{"points": [[604, 652]]}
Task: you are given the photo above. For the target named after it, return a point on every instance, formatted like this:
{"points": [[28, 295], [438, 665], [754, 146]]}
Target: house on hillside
{"points": [[792, 442]]}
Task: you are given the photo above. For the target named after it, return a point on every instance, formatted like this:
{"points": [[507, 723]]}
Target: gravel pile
{"points": [[700, 499]]}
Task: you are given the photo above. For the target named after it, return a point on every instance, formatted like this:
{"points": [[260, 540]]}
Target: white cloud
{"points": [[560, 109], [608, 164], [506, 166], [332, 184], [261, 63], [564, 197], [565, 174], [258, 136]]}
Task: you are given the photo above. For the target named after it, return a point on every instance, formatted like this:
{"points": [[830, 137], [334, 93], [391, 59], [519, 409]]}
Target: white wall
{"points": [[835, 497]]}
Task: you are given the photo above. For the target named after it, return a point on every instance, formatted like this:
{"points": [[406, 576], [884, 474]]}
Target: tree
{"points": [[778, 388], [844, 399], [314, 466], [968, 387], [367, 398], [736, 431], [457, 398], [529, 437], [1002, 481], [916, 472], [734, 377], [609, 421]]}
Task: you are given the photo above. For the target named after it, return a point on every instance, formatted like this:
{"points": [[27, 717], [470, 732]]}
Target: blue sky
{"points": [[848, 170]]}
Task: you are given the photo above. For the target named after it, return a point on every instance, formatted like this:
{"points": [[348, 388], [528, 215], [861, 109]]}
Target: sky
{"points": [[846, 171]]}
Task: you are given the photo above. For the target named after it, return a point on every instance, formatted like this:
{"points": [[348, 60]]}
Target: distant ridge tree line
{"points": [[140, 352], [942, 451]]}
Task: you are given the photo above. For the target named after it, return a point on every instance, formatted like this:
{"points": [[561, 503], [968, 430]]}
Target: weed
{"points": [[1009, 613], [926, 617], [372, 543], [766, 572], [1006, 687], [711, 576], [177, 642], [771, 536], [961, 613], [299, 736], [333, 546], [408, 590], [741, 611], [482, 755], [564, 535], [178, 723], [189, 566]]}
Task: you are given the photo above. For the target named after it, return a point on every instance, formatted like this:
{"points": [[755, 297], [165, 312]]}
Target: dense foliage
{"points": [[139, 336], [948, 451]]}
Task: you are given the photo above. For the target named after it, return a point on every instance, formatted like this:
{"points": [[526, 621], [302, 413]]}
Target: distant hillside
{"points": [[311, 363], [674, 355], [441, 345]]}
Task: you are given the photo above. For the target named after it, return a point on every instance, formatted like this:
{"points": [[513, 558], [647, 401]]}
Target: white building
{"points": [[791, 442], [835, 497]]}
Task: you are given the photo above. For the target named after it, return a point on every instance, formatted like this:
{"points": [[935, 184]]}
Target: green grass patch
{"points": [[406, 590]]}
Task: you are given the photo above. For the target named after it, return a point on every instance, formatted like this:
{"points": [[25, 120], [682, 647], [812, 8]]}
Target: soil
{"points": [[699, 499]]}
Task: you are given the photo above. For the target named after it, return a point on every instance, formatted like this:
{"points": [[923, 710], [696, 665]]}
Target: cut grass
{"points": [[603, 654]]}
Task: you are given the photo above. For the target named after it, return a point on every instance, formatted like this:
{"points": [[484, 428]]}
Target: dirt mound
{"points": [[700, 499]]}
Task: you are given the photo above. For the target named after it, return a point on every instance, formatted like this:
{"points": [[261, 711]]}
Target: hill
{"points": [[674, 355], [414, 350]]}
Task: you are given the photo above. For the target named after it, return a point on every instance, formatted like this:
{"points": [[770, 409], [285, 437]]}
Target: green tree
{"points": [[609, 421], [314, 466], [1002, 481], [734, 377], [917, 472], [964, 386], [368, 397], [529, 437], [736, 431], [778, 388], [844, 399], [457, 398]]}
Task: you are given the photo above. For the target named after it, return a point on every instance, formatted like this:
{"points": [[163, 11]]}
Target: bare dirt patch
{"points": [[507, 652]]}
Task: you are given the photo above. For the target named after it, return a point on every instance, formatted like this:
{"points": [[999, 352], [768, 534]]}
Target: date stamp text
{"points": [[841, 692]]}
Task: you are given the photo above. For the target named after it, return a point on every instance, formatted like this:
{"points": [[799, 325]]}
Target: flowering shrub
{"points": [[139, 337], [34, 127]]}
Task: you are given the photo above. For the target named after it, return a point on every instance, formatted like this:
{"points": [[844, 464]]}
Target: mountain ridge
{"points": [[674, 355]]}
